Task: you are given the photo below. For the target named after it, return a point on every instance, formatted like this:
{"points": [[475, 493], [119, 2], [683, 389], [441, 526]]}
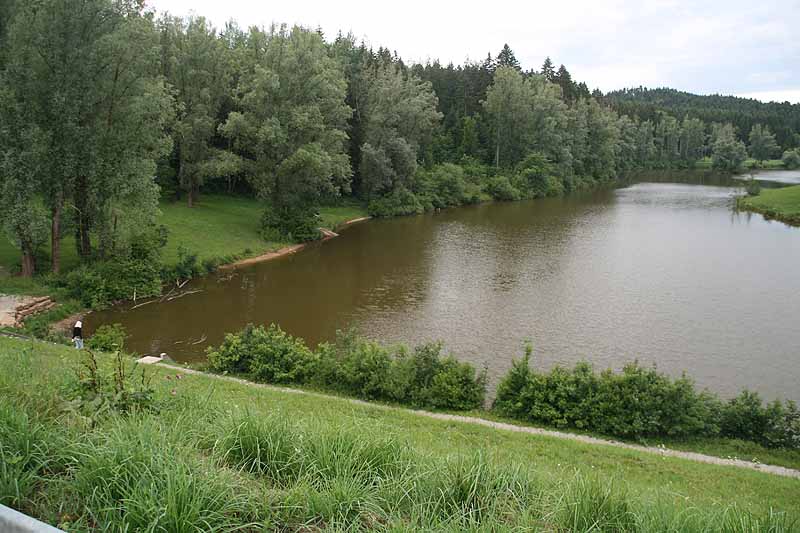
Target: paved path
{"points": [[692, 456]]}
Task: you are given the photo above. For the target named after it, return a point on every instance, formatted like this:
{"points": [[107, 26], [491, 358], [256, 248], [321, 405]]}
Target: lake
{"points": [[666, 273]]}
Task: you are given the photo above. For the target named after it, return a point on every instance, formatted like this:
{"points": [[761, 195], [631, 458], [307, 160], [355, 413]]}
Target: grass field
{"points": [[782, 204], [219, 455], [218, 226]]}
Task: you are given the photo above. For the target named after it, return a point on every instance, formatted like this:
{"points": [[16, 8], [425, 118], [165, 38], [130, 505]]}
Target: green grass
{"points": [[218, 455], [217, 227], [781, 204], [222, 226]]}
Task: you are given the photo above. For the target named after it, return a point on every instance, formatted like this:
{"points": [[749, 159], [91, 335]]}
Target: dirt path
{"points": [[287, 250], [691, 456]]}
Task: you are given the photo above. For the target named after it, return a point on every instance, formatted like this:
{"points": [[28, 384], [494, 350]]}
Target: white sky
{"points": [[748, 48]]}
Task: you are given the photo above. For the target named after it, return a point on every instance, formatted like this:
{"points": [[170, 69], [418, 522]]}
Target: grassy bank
{"points": [[218, 226], [216, 455], [770, 164], [780, 204]]}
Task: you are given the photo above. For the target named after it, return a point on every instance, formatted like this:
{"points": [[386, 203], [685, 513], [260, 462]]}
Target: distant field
{"points": [[781, 204]]}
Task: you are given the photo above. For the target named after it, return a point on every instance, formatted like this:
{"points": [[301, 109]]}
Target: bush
{"points": [[641, 402], [776, 425], [400, 202], [791, 159], [100, 284], [500, 188], [637, 402], [537, 177], [268, 355], [107, 338], [290, 223], [354, 365]]}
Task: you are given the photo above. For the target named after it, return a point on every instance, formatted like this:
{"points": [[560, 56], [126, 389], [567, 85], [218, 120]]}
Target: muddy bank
{"points": [[287, 250]]}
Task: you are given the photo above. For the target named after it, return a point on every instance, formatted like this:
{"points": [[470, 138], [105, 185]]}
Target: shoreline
{"points": [[294, 248], [782, 204]]}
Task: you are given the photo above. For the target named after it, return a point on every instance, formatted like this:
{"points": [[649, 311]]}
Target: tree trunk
{"points": [[55, 237], [190, 196], [28, 263], [83, 243]]}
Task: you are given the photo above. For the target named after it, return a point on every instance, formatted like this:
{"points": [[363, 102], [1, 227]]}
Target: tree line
{"points": [[105, 107]]}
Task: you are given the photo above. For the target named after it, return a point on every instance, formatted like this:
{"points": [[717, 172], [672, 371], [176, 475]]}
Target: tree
{"points": [[506, 58], [288, 133], [692, 140], [508, 110], [82, 82], [563, 79], [195, 63], [762, 143], [400, 118], [727, 152], [548, 70]]}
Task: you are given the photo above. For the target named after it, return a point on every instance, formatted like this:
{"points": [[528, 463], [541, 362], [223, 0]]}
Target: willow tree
{"points": [[288, 133], [80, 81], [400, 117], [196, 64]]}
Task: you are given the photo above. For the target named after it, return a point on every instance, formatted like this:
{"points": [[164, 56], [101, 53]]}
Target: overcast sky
{"points": [[748, 48]]}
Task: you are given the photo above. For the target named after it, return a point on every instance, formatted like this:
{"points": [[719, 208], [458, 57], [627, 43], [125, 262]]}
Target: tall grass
{"points": [[205, 464]]}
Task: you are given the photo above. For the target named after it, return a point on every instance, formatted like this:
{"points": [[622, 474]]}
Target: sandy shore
{"points": [[327, 235]]}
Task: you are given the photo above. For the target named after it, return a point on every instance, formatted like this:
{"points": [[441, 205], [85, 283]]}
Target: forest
{"points": [[106, 108]]}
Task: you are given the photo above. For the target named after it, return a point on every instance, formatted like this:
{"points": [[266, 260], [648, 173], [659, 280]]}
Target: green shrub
{"points": [[100, 284], [290, 223], [269, 355], [640, 402], [791, 159], [500, 188], [353, 365], [637, 402], [185, 268], [399, 203], [537, 177], [775, 425], [107, 338]]}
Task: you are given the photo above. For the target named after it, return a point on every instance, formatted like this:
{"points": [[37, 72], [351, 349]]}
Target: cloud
{"points": [[729, 47]]}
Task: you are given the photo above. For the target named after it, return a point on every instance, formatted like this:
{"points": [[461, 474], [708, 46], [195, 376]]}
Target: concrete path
{"points": [[665, 452]]}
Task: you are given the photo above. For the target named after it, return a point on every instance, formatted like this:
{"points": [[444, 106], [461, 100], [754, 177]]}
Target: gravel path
{"points": [[691, 456]]}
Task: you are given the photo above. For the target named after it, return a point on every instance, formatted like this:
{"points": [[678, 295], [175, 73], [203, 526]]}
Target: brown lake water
{"points": [[666, 273]]}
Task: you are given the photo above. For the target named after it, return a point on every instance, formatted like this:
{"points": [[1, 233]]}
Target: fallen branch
{"points": [[181, 295], [203, 339], [143, 303]]}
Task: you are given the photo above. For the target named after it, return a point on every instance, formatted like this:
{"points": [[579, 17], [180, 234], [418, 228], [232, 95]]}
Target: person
{"points": [[77, 335]]}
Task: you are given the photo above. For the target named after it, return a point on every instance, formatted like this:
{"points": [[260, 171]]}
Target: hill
{"points": [[782, 118]]}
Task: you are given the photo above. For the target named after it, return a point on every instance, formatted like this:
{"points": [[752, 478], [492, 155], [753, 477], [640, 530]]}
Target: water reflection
{"points": [[663, 272]]}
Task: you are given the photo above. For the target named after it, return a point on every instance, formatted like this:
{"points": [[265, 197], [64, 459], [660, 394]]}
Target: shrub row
{"points": [[469, 182], [635, 403], [641, 402], [421, 377]]}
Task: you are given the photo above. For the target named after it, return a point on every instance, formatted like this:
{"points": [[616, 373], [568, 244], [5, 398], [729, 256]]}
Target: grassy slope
{"points": [[650, 482], [218, 226], [782, 204]]}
